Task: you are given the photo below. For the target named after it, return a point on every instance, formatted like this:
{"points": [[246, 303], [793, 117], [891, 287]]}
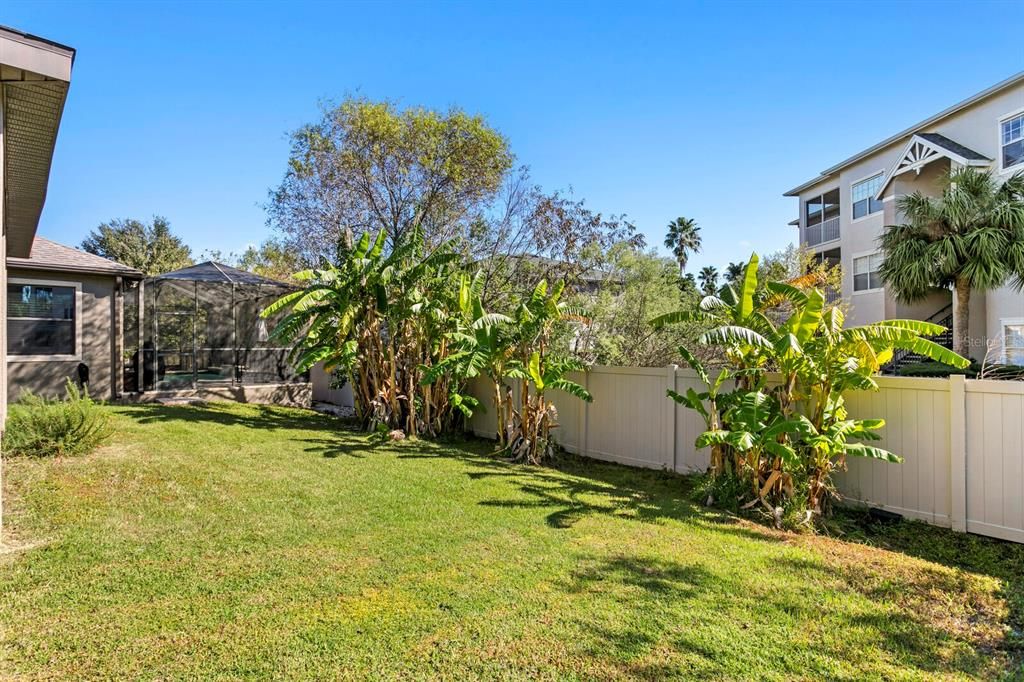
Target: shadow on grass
{"points": [[913, 636], [262, 417]]}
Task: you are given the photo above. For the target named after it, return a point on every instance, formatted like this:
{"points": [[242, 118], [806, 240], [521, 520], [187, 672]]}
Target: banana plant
{"points": [[380, 316], [791, 434], [530, 439]]}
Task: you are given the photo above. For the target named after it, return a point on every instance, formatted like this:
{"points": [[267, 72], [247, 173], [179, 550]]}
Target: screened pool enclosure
{"points": [[200, 326]]}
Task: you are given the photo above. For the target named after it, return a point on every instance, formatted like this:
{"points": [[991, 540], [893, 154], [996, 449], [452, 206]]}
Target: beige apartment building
{"points": [[844, 210]]}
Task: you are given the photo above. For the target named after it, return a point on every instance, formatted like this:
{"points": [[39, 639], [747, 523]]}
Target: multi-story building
{"points": [[845, 209]]}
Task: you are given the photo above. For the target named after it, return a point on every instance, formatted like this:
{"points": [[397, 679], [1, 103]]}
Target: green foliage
{"points": [[971, 238], [519, 347], [40, 427], [785, 434], [638, 286], [370, 163], [152, 248], [383, 318]]}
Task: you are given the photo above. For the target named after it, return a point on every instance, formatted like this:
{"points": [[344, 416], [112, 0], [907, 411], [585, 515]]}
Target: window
{"points": [[821, 217], [1013, 341], [865, 272], [42, 319], [1012, 140], [863, 196]]}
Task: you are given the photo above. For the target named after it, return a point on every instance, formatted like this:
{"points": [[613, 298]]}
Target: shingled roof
{"points": [[954, 147], [49, 255]]}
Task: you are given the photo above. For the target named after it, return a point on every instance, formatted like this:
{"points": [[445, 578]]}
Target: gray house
{"points": [[65, 319], [34, 77]]}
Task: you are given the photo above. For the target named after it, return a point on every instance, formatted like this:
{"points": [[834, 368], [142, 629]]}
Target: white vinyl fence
{"points": [[962, 440]]}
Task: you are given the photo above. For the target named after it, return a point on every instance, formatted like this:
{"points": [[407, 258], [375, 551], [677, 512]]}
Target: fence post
{"points": [[670, 422], [958, 451], [585, 422]]}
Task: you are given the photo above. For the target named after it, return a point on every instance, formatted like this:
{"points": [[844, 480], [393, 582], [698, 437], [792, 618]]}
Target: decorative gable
{"points": [[924, 148]]}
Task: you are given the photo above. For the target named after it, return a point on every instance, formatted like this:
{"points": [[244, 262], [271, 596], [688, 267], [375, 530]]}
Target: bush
{"points": [[936, 369], [40, 427], [975, 371]]}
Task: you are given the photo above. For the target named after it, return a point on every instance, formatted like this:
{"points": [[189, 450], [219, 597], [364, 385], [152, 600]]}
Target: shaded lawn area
{"points": [[240, 541]]}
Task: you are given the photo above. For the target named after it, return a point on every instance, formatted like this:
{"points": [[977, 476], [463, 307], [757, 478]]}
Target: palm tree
{"points": [[734, 271], [708, 280], [683, 238], [969, 238]]}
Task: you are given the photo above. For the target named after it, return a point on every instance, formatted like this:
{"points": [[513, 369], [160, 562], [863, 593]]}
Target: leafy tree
{"points": [[152, 248], [273, 259], [683, 239], [970, 238], [536, 235], [370, 166], [637, 286], [708, 279]]}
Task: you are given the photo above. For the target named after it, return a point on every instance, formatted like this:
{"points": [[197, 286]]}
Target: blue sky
{"points": [[709, 111]]}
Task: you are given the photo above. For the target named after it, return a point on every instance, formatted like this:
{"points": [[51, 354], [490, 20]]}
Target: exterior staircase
{"points": [[902, 357]]}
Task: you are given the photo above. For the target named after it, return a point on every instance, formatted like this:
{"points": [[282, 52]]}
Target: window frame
{"points": [[1009, 116], [57, 357], [853, 273], [1003, 324], [881, 202]]}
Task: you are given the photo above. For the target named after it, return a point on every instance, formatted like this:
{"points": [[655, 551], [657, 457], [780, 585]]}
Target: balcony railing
{"points": [[822, 232]]}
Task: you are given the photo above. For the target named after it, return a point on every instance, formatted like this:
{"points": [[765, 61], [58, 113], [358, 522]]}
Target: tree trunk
{"points": [[961, 318]]}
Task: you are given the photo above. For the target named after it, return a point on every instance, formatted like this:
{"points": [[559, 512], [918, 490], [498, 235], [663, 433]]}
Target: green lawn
{"points": [[247, 542]]}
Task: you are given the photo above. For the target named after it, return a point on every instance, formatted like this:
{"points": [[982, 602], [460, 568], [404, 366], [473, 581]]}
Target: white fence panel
{"points": [[962, 441], [995, 459], [917, 427]]}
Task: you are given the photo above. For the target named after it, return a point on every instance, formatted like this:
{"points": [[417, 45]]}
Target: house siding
{"points": [[99, 345]]}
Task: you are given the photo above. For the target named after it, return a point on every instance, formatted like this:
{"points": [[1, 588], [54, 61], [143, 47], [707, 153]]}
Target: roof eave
{"points": [[19, 264], [974, 99]]}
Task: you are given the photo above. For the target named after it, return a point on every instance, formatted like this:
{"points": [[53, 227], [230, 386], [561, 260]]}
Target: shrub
{"points": [[41, 427], [937, 369]]}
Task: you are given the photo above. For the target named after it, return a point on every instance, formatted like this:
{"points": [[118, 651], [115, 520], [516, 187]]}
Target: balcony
{"points": [[822, 232]]}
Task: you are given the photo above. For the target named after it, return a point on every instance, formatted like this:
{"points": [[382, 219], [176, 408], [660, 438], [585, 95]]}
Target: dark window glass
{"points": [[831, 201], [40, 320], [860, 208], [813, 210], [1013, 153]]}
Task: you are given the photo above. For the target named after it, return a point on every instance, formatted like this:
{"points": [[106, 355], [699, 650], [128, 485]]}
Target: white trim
{"points": [[917, 154], [1019, 166], [870, 199], [77, 357], [1003, 324]]}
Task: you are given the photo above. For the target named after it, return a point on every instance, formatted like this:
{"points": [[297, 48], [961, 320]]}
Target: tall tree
{"points": [[152, 248], [708, 278], [970, 238], [683, 239], [370, 166], [273, 258], [734, 271]]}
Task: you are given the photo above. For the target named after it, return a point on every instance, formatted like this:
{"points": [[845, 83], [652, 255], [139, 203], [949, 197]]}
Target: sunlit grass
{"points": [[239, 541]]}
